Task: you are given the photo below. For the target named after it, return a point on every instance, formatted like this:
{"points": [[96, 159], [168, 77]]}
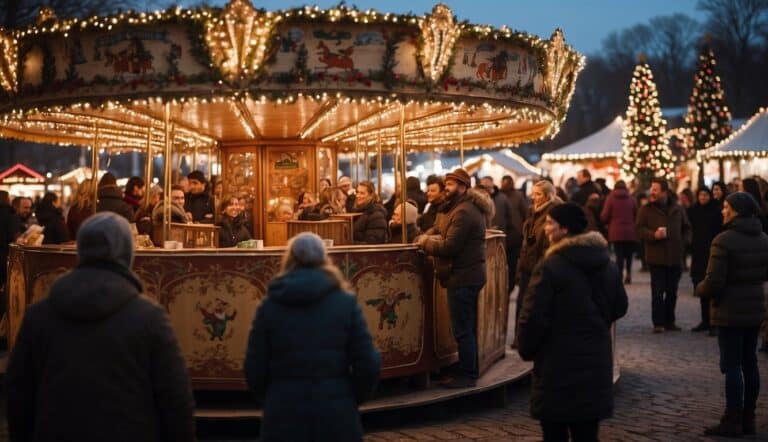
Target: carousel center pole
{"points": [[95, 168], [167, 172], [148, 169], [403, 220], [379, 161]]}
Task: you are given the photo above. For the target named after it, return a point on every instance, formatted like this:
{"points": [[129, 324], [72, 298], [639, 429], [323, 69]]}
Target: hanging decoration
{"points": [[556, 58], [238, 40], [9, 62], [439, 32], [645, 151], [45, 15]]}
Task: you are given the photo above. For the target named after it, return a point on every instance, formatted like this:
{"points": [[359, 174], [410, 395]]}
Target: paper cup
{"points": [[169, 244], [328, 243], [259, 243]]}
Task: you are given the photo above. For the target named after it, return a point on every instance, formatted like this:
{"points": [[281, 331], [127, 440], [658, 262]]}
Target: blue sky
{"points": [[585, 22]]}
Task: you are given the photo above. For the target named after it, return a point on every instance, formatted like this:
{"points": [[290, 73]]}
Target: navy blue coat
{"points": [[310, 360]]}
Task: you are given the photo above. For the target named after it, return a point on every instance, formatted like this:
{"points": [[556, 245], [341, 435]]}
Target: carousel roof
{"points": [[604, 143], [751, 140], [240, 75]]}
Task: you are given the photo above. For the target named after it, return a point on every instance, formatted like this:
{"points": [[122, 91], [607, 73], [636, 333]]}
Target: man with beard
{"points": [[459, 250], [435, 199], [23, 208], [663, 226]]}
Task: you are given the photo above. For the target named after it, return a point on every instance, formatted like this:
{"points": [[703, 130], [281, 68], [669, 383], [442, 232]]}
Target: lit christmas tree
{"points": [[645, 151], [708, 120]]}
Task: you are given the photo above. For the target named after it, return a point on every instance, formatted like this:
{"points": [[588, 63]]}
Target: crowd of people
{"points": [[559, 243]]}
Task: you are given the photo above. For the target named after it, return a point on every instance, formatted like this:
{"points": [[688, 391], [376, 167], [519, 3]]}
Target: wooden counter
{"points": [[211, 296]]}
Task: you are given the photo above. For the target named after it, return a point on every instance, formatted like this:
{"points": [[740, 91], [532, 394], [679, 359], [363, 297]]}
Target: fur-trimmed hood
{"points": [[482, 200], [587, 251]]}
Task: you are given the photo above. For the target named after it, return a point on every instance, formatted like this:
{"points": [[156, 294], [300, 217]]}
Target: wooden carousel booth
{"points": [[277, 96]]}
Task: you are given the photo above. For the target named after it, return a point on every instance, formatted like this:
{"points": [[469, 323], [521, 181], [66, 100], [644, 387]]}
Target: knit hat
{"points": [[307, 249], [744, 204], [571, 216], [411, 212], [105, 237], [459, 175], [107, 180]]}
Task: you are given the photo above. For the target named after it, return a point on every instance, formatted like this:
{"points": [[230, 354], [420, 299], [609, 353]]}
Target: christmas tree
{"points": [[708, 120], [645, 151]]}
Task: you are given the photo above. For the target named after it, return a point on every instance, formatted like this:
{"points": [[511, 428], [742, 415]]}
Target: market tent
{"points": [[604, 143], [751, 140], [497, 164]]}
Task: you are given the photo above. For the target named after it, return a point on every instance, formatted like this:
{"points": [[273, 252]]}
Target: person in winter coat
{"points": [[663, 226], [371, 226], [706, 222], [586, 187], [232, 230], [752, 187], [310, 359], [619, 214], [81, 208], [719, 192], [459, 249], [535, 241], [414, 193], [134, 192], [198, 203], [435, 198], [574, 297], [50, 216], [110, 198], [519, 205], [396, 224], [96, 360], [737, 269], [10, 229]]}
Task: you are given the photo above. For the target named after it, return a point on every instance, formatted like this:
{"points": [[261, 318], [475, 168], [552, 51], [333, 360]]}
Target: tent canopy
{"points": [[751, 140], [604, 143], [509, 161]]}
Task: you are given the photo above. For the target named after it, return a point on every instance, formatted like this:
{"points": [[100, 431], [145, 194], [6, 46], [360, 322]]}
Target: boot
{"points": [[730, 424], [748, 421]]}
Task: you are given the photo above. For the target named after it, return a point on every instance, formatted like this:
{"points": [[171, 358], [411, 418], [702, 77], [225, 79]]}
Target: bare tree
{"points": [[672, 52], [737, 27]]}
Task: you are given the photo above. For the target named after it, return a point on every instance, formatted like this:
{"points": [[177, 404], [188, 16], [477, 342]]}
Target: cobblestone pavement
{"points": [[670, 388]]}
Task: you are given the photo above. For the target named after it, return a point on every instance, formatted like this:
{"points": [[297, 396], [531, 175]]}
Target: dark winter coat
{"points": [[582, 195], [232, 231], [519, 214], [97, 361], [310, 360], [502, 220], [396, 233], [706, 223], [133, 202], [535, 242], [427, 219], [619, 214], [10, 229], [459, 247], [111, 200], [52, 219], [564, 328], [201, 206], [371, 226], [667, 251], [737, 269], [75, 217]]}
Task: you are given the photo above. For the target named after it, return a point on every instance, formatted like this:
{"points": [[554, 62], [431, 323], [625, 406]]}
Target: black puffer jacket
{"points": [[371, 226], [52, 219], [737, 269], [310, 359], [564, 327], [232, 231], [201, 206], [96, 348], [111, 200], [706, 222]]}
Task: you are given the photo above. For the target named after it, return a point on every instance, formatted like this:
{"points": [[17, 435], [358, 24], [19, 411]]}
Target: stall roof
{"points": [[21, 171], [506, 159], [751, 140], [604, 143]]}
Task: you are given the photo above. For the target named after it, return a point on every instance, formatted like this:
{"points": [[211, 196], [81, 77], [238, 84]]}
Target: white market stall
{"points": [[741, 155]]}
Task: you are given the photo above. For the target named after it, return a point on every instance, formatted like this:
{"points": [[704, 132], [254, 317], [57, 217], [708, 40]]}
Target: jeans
{"points": [[462, 302], [625, 251], [738, 362], [580, 431], [664, 280]]}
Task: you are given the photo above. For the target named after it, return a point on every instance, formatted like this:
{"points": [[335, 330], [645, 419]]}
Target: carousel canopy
{"points": [[509, 161], [240, 75], [605, 143], [751, 140]]}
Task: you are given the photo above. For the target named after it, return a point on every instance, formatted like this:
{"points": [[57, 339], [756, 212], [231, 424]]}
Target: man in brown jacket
{"points": [[459, 249], [663, 226]]}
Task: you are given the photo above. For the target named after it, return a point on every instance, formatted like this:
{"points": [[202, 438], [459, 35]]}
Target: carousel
{"points": [[269, 101]]}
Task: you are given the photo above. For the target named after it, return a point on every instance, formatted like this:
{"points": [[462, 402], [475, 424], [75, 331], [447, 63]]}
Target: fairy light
{"points": [[439, 32], [9, 62], [730, 148]]}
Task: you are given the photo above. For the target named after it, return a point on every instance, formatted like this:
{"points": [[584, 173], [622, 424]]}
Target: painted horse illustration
{"points": [[387, 307], [341, 60], [495, 68], [216, 321]]}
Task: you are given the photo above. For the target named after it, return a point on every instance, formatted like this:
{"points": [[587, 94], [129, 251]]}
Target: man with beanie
{"points": [[198, 202], [460, 264], [97, 349], [663, 227], [737, 269], [110, 199], [574, 296]]}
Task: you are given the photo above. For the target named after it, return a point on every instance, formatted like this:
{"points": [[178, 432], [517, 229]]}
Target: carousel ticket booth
{"points": [[274, 98]]}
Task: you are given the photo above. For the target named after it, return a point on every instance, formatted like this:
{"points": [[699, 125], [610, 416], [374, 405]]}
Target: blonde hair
{"points": [[294, 259], [84, 195], [547, 188]]}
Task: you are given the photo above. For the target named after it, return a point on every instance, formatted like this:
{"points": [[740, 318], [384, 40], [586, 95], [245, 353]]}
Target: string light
{"points": [[439, 33], [9, 62], [727, 149]]}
